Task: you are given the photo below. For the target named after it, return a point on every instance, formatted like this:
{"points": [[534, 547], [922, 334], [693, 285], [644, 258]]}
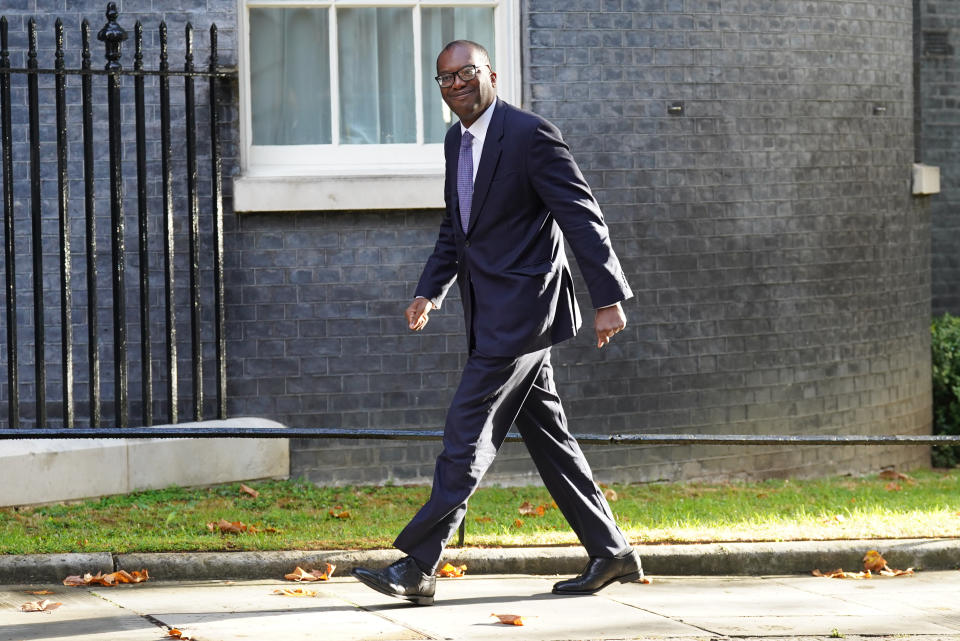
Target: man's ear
{"points": [[493, 78]]}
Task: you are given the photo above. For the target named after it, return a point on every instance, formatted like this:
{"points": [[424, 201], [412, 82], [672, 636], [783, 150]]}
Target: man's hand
{"points": [[609, 321], [418, 313]]}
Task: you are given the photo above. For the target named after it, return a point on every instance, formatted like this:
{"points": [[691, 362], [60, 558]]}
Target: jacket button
{"points": [[466, 243]]}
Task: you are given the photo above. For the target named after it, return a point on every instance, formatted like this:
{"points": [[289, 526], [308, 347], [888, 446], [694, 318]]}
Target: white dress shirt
{"points": [[479, 132]]}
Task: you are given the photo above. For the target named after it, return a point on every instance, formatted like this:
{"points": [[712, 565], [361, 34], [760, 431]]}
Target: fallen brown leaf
{"points": [[509, 619], [340, 515], [301, 592], [114, 578], [44, 605], [840, 574], [450, 571], [646, 580], [38, 592], [249, 490], [527, 509], [299, 574], [893, 487], [891, 572], [231, 527], [174, 633], [610, 495], [873, 562], [488, 519], [517, 523], [893, 474]]}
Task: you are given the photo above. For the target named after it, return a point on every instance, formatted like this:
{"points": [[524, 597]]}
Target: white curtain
{"points": [[439, 26], [377, 103], [290, 72], [290, 76]]}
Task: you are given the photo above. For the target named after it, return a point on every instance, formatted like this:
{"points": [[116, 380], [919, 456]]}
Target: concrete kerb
{"points": [[666, 560]]}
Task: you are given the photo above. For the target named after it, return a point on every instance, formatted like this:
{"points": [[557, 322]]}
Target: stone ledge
{"points": [[46, 471]]}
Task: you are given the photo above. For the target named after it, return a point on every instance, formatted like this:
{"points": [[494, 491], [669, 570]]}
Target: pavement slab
{"points": [[923, 607], [465, 606], [84, 616]]}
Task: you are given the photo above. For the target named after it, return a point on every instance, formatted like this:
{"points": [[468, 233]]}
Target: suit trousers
{"points": [[495, 392]]}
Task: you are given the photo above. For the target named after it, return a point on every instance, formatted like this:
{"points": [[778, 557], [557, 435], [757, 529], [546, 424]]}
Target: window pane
{"points": [[440, 26], [377, 103], [290, 76]]}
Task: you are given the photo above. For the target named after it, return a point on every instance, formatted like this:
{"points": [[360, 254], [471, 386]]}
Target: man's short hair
{"points": [[477, 47]]}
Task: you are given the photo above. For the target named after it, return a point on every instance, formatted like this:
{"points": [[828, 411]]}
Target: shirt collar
{"points": [[479, 127]]}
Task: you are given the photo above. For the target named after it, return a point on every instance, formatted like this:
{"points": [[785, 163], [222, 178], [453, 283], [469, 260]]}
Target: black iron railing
{"points": [[214, 431], [112, 35]]}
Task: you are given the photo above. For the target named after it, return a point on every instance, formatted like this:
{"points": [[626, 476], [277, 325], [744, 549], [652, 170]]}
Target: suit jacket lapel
{"points": [[488, 162]]}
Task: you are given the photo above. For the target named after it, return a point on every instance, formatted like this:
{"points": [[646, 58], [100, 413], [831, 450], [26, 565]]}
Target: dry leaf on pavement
{"points": [[892, 572], [873, 565], [873, 562], [450, 571], [109, 580], [174, 633], [295, 592], [509, 619], [38, 592], [45, 605], [840, 574], [299, 574]]}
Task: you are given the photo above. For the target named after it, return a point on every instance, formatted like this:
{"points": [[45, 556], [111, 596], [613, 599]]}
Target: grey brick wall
{"points": [[940, 143], [780, 263]]}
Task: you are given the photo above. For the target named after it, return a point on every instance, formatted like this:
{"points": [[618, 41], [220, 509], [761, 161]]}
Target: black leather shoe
{"points": [[601, 572], [402, 579]]}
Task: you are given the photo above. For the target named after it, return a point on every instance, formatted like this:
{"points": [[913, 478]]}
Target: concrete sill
{"points": [[47, 471]]}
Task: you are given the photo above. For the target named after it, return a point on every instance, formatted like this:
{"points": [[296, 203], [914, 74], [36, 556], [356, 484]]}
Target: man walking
{"points": [[513, 193]]}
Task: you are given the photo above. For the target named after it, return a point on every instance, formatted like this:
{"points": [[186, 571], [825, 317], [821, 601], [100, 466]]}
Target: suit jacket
{"points": [[510, 265]]}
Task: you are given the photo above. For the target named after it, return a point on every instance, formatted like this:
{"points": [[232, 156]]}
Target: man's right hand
{"points": [[418, 313]]}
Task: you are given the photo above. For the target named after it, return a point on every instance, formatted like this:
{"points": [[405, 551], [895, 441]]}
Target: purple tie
{"points": [[465, 178]]}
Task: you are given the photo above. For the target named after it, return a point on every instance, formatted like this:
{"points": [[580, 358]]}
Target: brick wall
{"points": [[940, 144], [780, 264]]}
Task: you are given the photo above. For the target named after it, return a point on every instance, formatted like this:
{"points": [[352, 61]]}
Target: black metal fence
{"points": [[36, 80]]}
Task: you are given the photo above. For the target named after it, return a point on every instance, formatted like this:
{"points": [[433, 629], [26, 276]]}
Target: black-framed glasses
{"points": [[466, 74]]}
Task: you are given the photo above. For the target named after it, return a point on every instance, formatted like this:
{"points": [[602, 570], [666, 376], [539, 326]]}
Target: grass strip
{"points": [[302, 516]]}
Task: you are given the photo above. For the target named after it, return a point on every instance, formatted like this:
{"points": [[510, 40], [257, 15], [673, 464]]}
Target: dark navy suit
{"points": [[518, 301]]}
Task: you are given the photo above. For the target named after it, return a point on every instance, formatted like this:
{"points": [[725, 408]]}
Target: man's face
{"points": [[467, 99]]}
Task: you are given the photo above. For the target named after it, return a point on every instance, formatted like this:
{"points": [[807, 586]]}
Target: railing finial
{"points": [[113, 35]]}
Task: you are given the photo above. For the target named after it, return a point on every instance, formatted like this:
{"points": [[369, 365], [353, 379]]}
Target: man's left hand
{"points": [[609, 321]]}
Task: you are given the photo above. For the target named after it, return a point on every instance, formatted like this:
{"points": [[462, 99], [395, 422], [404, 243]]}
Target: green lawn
{"points": [[308, 517]]}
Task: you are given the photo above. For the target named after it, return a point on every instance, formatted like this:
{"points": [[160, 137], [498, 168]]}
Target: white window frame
{"points": [[349, 177]]}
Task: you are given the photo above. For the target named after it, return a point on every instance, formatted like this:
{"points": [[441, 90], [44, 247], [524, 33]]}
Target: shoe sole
{"points": [[626, 578], [419, 600]]}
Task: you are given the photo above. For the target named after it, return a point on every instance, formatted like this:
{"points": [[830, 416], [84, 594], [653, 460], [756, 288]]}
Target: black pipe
{"points": [[430, 435]]}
